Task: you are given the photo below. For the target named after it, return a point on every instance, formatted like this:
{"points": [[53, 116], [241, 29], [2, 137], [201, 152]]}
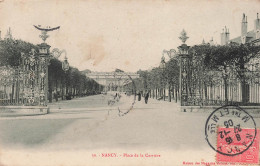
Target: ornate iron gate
{"points": [[27, 83], [200, 87]]}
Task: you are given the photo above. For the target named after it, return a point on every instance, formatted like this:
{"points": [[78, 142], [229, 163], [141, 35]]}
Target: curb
{"points": [[7, 111]]}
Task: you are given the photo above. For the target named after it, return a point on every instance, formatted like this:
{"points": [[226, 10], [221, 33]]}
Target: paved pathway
{"points": [[77, 129]]}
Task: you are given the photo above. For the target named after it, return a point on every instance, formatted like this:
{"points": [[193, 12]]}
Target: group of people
{"points": [[145, 94]]}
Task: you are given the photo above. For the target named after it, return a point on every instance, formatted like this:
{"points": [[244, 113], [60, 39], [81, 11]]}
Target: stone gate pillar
{"points": [[185, 73], [44, 54]]}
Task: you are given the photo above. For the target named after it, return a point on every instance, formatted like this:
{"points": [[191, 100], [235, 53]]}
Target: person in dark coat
{"points": [[146, 97], [139, 96]]}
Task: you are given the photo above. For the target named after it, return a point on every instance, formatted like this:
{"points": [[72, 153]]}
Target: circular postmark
{"points": [[122, 92], [230, 130], [130, 96]]}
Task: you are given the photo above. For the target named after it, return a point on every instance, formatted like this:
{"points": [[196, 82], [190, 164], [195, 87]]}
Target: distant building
{"points": [[112, 81], [9, 34], [211, 42], [224, 36], [246, 36]]}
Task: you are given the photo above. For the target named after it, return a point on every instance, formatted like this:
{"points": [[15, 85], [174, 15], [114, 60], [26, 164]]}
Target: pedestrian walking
{"points": [[146, 97], [139, 96]]}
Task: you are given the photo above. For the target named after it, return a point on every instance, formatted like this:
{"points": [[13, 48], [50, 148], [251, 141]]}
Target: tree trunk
{"points": [[66, 90], [226, 90], [17, 92], [176, 95], [205, 92], [74, 92], [245, 91], [173, 91], [164, 94], [12, 94], [50, 93], [56, 87], [62, 90], [169, 94]]}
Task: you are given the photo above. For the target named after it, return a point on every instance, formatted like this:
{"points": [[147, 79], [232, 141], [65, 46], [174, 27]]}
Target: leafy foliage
{"points": [[10, 51], [75, 81]]}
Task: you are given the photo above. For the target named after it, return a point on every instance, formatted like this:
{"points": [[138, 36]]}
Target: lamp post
{"points": [[162, 66], [65, 67], [65, 64], [44, 54], [171, 54], [184, 68]]}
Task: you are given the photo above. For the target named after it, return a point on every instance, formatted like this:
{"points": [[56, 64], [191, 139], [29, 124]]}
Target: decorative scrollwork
{"points": [[56, 53]]}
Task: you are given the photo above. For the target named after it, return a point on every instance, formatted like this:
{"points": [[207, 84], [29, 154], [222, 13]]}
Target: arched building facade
{"points": [[113, 81]]}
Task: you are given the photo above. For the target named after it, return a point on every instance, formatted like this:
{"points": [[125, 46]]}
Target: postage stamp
{"points": [[232, 133], [235, 140]]}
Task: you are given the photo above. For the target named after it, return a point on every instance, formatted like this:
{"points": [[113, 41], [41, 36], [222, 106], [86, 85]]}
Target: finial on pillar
{"points": [[44, 31], [244, 18], [183, 36], [44, 36], [9, 34]]}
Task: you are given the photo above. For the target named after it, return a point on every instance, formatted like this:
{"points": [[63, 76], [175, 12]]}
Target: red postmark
{"points": [[238, 141]]}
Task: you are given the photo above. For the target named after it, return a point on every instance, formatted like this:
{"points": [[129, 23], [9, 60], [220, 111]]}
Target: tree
{"points": [[173, 73], [74, 80], [226, 59], [10, 51]]}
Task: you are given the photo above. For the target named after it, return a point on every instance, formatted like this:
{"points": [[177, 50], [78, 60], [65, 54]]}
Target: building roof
{"points": [[251, 36]]}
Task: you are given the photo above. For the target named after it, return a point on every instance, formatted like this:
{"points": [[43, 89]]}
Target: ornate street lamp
{"points": [[163, 66], [172, 53], [65, 64], [56, 53]]}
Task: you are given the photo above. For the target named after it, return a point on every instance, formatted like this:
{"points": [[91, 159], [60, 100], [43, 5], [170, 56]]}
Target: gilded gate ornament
{"points": [[183, 36], [34, 75]]}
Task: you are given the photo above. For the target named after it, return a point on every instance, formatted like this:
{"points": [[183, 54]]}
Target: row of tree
{"points": [[159, 78], [70, 83], [62, 84], [207, 61]]}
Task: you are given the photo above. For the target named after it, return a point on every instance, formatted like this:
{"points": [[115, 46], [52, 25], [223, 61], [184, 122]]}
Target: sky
{"points": [[127, 34]]}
